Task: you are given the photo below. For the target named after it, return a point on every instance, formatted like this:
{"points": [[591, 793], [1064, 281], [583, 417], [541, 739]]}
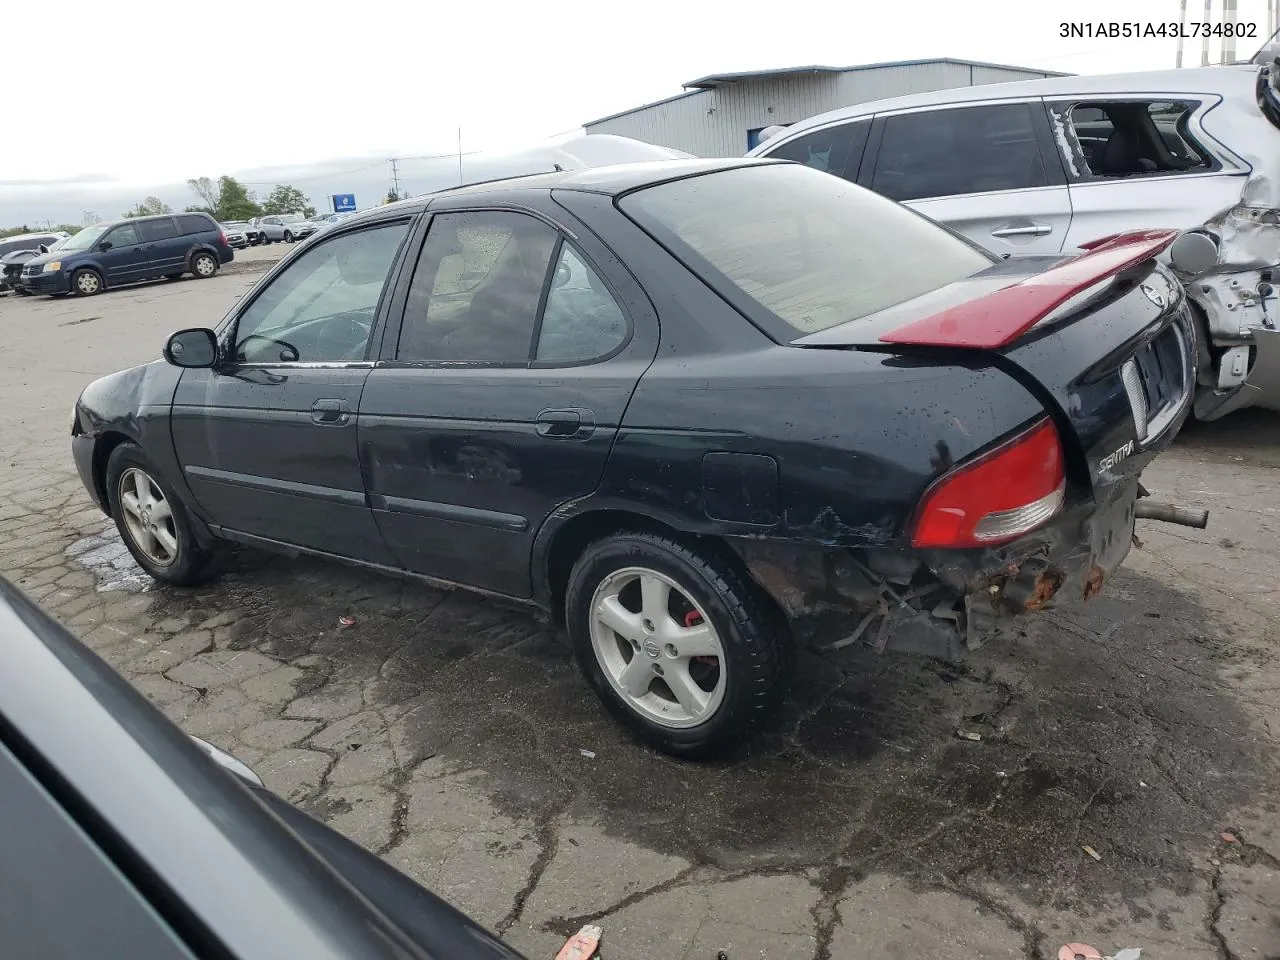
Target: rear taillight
{"points": [[223, 237], [998, 497]]}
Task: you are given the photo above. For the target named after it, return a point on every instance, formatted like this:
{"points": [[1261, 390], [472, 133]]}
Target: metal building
{"points": [[722, 115]]}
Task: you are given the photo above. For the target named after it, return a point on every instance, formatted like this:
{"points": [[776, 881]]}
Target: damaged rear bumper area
{"points": [[942, 603]]}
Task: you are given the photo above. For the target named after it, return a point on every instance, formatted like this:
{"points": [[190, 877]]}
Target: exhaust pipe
{"points": [[1171, 514]]}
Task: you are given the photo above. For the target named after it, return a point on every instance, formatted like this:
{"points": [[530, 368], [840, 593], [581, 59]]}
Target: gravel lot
{"points": [[454, 737]]}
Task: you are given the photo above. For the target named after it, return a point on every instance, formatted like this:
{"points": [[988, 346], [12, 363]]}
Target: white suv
{"points": [[1042, 166]]}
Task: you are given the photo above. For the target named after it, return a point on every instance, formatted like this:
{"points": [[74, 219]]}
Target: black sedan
{"points": [[674, 405], [123, 840]]}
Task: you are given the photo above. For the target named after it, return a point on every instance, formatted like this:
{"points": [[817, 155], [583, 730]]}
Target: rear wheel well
{"points": [[101, 454], [577, 533]]}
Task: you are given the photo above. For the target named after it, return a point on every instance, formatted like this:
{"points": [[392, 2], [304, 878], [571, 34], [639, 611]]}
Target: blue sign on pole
{"points": [[344, 202]]}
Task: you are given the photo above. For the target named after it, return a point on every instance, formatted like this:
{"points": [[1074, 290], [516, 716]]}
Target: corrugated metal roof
{"points": [[717, 79]]}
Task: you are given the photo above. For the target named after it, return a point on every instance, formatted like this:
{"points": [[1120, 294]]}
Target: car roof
{"points": [[1222, 80], [611, 180]]}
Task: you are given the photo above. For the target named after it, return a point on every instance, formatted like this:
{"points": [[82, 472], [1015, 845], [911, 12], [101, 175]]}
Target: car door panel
{"points": [[260, 459], [1033, 221], [163, 246], [988, 171], [267, 440], [61, 897], [465, 461], [126, 260]]}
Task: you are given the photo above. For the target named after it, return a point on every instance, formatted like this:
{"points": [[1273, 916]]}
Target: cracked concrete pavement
{"points": [[447, 733]]}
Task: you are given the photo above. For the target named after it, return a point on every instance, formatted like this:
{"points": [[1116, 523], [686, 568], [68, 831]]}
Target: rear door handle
{"points": [[1030, 230], [330, 412], [563, 424]]}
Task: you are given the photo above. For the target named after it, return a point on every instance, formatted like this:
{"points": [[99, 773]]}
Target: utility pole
{"points": [[1204, 43], [395, 176], [1182, 19], [1228, 33], [459, 156]]}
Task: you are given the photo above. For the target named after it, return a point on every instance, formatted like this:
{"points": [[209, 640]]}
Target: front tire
{"points": [[679, 643], [86, 283], [288, 236], [153, 522], [204, 265]]}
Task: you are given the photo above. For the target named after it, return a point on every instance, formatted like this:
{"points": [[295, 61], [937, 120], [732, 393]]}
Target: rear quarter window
{"points": [[787, 242], [195, 223]]}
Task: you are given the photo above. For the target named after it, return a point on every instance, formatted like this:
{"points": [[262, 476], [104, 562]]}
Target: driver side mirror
{"points": [[197, 347], [104, 245]]}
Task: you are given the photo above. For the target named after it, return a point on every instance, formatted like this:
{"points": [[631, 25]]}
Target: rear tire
{"points": [[661, 593], [288, 236], [86, 282], [153, 522], [203, 265]]}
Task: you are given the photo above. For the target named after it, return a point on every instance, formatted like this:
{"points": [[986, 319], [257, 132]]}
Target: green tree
{"points": [[149, 207], [287, 199], [392, 196], [235, 202]]}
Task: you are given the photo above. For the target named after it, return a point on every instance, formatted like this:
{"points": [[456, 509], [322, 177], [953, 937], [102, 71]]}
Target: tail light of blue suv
{"points": [[1001, 496]]}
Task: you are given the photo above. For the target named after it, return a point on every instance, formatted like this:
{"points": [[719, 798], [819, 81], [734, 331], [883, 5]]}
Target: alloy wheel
{"points": [[205, 265], [88, 283], [148, 516], [657, 647]]}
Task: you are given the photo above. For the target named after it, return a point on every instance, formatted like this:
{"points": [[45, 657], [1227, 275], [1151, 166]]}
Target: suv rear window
{"points": [[195, 223], [805, 247]]}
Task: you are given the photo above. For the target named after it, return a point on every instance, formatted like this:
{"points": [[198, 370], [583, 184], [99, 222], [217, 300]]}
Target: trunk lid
{"points": [[1103, 339]]}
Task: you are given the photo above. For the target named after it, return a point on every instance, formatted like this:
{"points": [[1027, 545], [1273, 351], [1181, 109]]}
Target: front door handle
{"points": [[330, 412], [564, 424], [1030, 230]]}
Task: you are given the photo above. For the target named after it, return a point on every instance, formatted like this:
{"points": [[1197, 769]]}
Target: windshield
{"points": [[804, 246], [86, 238], [292, 218]]}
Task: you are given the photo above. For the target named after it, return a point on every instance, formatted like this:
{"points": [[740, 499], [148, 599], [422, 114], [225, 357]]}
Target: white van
{"points": [[1042, 166]]}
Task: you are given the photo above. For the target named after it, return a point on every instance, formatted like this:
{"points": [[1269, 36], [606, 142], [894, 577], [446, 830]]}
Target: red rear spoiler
{"points": [[997, 319]]}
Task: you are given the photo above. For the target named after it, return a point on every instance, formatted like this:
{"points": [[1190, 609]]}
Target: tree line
{"points": [[227, 199]]}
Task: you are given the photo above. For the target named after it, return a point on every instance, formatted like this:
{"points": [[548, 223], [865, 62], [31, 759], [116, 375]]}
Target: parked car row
{"points": [[1045, 166], [126, 251], [17, 250], [608, 395]]}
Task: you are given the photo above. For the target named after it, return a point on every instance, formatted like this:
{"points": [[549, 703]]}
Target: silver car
{"points": [[285, 226], [1047, 166]]}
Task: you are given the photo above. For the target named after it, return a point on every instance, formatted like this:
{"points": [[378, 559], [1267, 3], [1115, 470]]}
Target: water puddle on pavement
{"points": [[106, 556]]}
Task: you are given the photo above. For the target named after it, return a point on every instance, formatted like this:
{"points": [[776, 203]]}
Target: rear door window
{"points": [[814, 252], [961, 150], [477, 288], [836, 150]]}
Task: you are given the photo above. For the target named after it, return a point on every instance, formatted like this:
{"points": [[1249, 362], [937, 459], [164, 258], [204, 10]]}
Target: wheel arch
{"points": [[104, 445], [200, 248], [566, 534]]}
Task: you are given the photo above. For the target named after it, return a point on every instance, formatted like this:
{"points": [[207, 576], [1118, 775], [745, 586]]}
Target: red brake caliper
{"points": [[692, 619]]}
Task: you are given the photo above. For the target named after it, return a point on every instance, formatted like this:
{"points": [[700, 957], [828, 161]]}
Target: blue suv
{"points": [[140, 248]]}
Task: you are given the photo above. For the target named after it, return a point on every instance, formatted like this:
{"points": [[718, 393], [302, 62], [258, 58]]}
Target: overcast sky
{"points": [[142, 94]]}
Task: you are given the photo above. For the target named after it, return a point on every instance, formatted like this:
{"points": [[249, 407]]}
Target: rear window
{"points": [[804, 247]]}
